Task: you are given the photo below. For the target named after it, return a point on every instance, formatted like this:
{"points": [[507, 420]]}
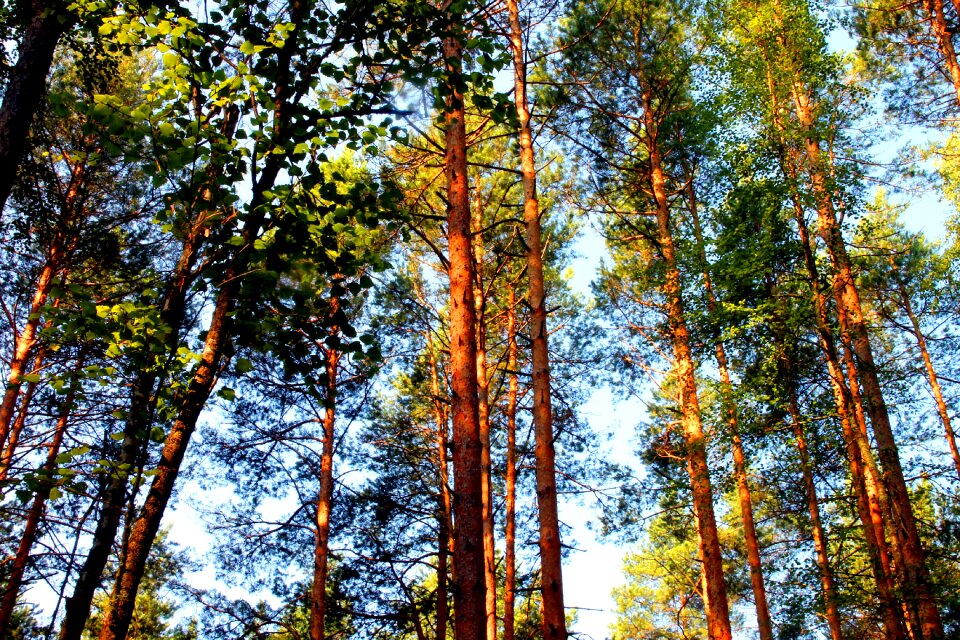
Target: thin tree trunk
{"points": [[764, 623], [510, 554], [483, 409], [931, 374], [21, 420], [321, 551], [19, 566], [469, 585], [443, 493], [144, 397], [827, 580], [917, 589], [554, 619], [26, 85], [24, 341], [718, 611]]}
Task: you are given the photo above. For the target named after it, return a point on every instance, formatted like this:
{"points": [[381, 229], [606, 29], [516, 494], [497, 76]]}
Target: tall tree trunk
{"points": [[26, 85], [483, 409], [321, 550], [443, 495], [469, 586], [917, 589], [873, 531], [554, 620], [510, 481], [718, 611], [145, 393], [764, 623], [19, 565], [827, 580], [931, 372], [144, 531]]}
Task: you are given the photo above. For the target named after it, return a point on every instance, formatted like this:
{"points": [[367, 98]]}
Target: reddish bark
{"points": [[551, 571], [19, 565], [443, 493], [469, 585], [764, 623], [718, 610], [321, 549], [510, 481]]}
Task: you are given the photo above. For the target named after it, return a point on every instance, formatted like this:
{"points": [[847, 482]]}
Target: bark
{"points": [[483, 409], [893, 623], [510, 554], [916, 588], [321, 550], [718, 611], [931, 373], [764, 623], [469, 585], [144, 531], [26, 85], [24, 342], [827, 580], [944, 37], [443, 494], [554, 620], [21, 420], [144, 397], [29, 536]]}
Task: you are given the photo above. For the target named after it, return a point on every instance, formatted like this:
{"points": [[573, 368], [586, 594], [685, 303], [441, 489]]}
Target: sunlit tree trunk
{"points": [[916, 588], [321, 551], [718, 610], [469, 586], [510, 554], [764, 624], [943, 33], [554, 620], [483, 409], [443, 494], [23, 412]]}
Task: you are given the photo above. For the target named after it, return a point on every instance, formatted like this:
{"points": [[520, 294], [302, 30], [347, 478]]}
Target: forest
{"points": [[336, 287]]}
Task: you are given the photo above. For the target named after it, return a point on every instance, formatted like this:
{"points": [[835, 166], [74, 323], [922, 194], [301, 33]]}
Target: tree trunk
{"points": [[21, 420], [19, 566], [24, 341], [510, 554], [144, 397], [764, 623], [26, 85], [443, 494], [554, 619], [931, 374], [944, 37], [321, 550], [893, 623], [483, 409], [917, 589], [117, 621], [718, 611], [469, 585], [827, 580]]}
